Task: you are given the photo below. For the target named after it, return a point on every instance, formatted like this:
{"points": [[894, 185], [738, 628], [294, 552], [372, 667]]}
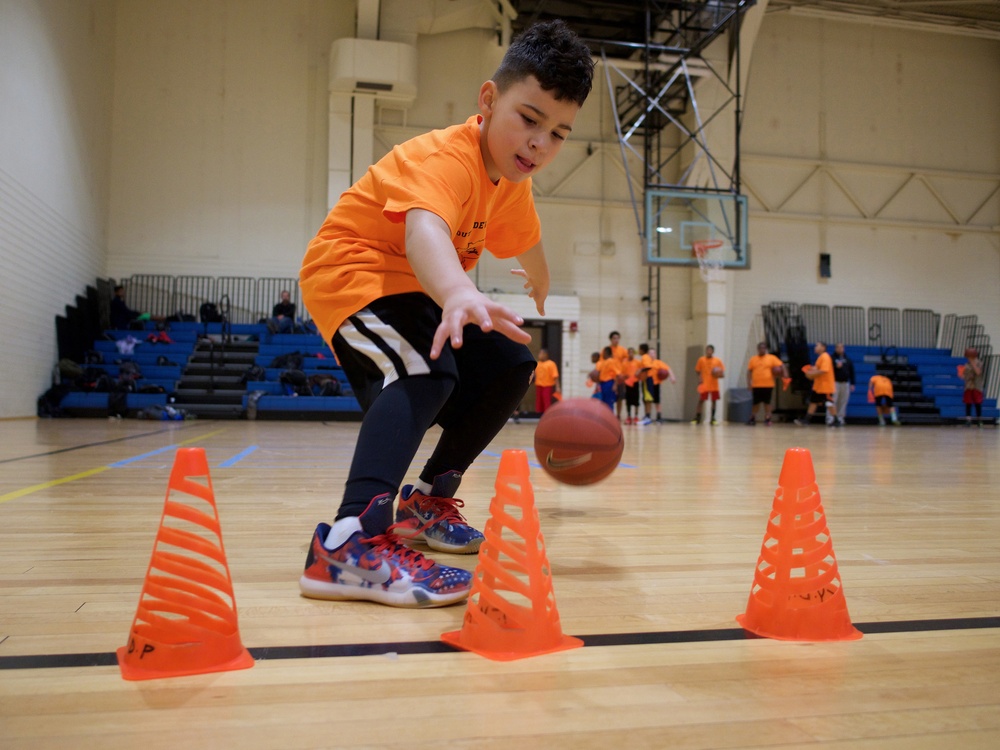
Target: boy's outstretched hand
{"points": [[537, 289], [472, 306]]}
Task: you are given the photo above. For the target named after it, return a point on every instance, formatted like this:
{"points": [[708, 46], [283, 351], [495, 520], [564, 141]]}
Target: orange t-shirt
{"points": [[880, 385], [824, 382], [645, 362], [609, 369], [630, 368], [762, 370], [704, 367], [359, 254], [546, 373], [620, 353], [654, 373]]}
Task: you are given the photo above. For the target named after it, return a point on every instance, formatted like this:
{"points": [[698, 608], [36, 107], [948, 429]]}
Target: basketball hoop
{"points": [[707, 266]]}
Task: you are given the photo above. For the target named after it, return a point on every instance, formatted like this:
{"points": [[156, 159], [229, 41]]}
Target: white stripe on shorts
{"points": [[364, 343]]}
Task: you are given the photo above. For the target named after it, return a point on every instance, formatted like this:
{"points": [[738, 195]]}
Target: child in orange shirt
{"points": [[823, 387], [609, 375], [760, 372], [546, 381], [385, 281], [880, 393], [652, 369], [710, 368], [620, 353], [630, 370]]}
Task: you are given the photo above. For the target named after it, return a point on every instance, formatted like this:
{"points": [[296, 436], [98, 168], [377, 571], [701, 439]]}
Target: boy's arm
{"points": [[432, 256], [535, 270]]}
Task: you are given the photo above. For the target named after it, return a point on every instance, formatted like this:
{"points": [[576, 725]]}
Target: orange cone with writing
{"points": [[797, 594], [511, 612], [186, 620]]}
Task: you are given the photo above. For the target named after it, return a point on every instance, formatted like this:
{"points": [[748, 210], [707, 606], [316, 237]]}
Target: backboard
{"points": [[679, 222]]}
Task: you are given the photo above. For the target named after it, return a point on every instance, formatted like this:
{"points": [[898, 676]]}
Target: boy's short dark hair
{"points": [[552, 53], [643, 348]]}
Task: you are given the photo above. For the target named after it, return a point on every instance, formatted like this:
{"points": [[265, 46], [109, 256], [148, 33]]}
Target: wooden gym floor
{"points": [[649, 567]]}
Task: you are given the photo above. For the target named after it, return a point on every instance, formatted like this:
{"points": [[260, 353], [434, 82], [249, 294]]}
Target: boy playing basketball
{"points": [[385, 280], [880, 393], [710, 369]]}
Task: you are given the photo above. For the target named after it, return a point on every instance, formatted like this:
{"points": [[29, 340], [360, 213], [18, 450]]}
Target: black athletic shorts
{"points": [[762, 395], [821, 398], [391, 339], [632, 394]]}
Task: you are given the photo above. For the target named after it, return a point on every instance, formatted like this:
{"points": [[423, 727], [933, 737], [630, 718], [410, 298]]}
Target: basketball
{"points": [[971, 353], [778, 371], [718, 372], [579, 441], [663, 374]]}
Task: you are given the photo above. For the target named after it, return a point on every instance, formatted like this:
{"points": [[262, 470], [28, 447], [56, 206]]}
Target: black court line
{"points": [[266, 653], [100, 442]]}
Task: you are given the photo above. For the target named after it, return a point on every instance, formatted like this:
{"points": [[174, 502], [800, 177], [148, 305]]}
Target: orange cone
{"points": [[512, 611], [186, 620], [797, 594]]}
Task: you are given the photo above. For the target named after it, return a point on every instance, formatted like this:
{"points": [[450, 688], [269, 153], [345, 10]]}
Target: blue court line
{"points": [[140, 457], [238, 457]]}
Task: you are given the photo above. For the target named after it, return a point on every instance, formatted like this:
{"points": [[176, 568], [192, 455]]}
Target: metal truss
{"points": [[660, 124]]}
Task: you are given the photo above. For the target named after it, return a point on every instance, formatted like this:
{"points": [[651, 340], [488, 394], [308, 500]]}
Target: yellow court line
{"points": [[83, 474], [52, 483], [202, 437]]}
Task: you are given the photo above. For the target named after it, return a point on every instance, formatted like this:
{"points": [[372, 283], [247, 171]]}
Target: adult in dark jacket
{"points": [[843, 375], [283, 314]]}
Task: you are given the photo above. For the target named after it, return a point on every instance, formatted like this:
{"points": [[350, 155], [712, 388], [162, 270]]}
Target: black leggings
{"points": [[979, 410], [401, 414]]}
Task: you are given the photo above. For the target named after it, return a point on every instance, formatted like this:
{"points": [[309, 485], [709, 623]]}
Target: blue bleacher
{"points": [[182, 349], [93, 401], [938, 371], [292, 406], [149, 372]]}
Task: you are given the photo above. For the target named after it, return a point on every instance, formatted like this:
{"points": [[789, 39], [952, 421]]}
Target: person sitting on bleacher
{"points": [[122, 316], [283, 315]]}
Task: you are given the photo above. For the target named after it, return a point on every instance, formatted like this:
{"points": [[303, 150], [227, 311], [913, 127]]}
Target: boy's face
{"points": [[523, 128]]}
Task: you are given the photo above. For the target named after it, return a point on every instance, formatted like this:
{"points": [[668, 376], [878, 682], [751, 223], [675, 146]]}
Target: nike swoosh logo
{"points": [[377, 577], [566, 463]]}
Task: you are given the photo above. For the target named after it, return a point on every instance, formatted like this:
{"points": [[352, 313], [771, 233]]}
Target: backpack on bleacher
{"points": [[289, 361], [93, 357], [95, 379], [209, 313], [128, 373], [254, 374], [295, 382], [324, 385]]}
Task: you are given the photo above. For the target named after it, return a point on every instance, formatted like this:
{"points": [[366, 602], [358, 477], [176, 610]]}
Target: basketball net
{"points": [[710, 268]]}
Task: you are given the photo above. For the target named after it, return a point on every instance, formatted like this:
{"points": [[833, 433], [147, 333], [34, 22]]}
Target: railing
{"points": [[816, 319], [920, 329], [249, 299], [849, 326], [885, 327], [778, 316]]}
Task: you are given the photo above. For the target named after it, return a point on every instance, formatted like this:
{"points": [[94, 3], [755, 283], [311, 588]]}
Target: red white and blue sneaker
{"points": [[346, 562], [435, 518]]}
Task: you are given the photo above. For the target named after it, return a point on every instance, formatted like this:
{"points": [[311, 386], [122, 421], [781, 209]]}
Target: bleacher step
{"points": [[183, 398]]}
